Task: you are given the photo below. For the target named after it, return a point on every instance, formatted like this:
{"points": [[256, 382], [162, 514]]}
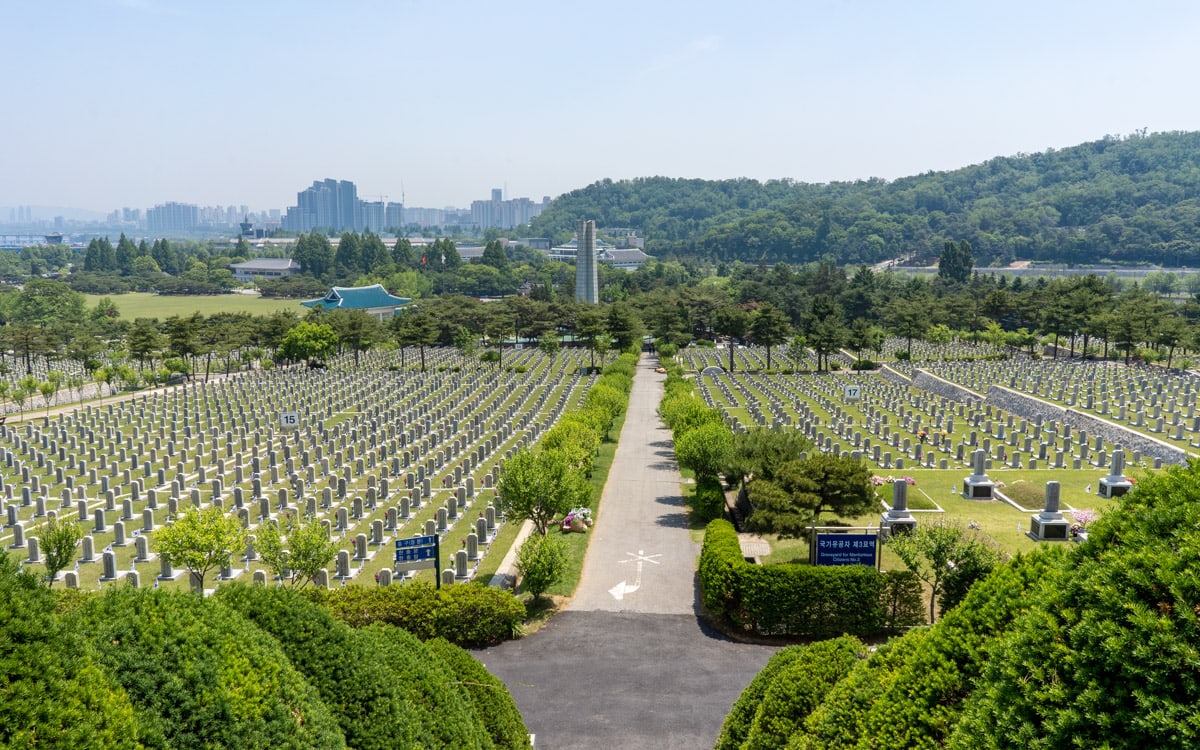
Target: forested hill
{"points": [[1127, 200]]}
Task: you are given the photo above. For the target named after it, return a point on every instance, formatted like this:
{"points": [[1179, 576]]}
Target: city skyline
{"points": [[135, 103]]}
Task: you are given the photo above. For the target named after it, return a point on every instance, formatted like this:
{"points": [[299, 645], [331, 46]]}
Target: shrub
{"points": [[467, 615], [901, 355], [541, 561], [426, 684], [488, 697], [55, 691], [202, 676], [736, 726], [864, 364], [800, 599], [708, 501], [363, 697], [798, 688], [667, 350]]}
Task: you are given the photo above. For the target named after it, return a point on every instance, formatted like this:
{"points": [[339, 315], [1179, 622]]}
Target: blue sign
{"points": [[415, 554], [846, 549], [417, 541]]}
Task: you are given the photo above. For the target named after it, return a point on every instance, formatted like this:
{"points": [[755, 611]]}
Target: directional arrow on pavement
{"points": [[621, 589]]}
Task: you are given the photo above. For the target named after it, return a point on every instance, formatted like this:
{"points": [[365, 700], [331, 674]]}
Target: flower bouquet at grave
{"points": [[579, 519]]}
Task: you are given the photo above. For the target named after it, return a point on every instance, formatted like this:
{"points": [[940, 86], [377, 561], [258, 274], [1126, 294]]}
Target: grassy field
{"points": [[144, 305]]}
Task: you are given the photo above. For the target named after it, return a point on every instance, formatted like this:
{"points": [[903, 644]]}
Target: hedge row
{"points": [[802, 600]]}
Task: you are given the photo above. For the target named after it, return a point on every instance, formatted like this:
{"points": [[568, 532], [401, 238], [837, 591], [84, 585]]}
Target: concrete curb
{"points": [[505, 576]]}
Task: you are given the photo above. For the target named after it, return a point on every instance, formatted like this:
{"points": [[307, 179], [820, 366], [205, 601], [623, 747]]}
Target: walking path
{"points": [[629, 664]]}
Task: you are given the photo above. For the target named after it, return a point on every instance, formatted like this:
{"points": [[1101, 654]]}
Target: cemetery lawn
{"points": [[145, 305], [997, 519]]}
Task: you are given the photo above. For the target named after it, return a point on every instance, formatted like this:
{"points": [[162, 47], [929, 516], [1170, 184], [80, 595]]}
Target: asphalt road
{"points": [[630, 664]]}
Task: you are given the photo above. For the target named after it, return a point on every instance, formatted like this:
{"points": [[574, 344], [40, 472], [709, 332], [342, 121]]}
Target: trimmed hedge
{"points": [[467, 615], [801, 600], [200, 676], [489, 698]]}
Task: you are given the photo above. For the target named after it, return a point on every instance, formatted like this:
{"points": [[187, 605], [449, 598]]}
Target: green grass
{"points": [[145, 305], [997, 520]]}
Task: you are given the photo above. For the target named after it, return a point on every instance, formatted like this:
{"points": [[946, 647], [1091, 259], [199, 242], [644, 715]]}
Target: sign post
{"points": [[414, 553]]}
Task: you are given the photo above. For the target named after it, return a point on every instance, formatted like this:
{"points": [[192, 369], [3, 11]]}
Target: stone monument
{"points": [[898, 519], [978, 486], [1049, 525], [1115, 484]]}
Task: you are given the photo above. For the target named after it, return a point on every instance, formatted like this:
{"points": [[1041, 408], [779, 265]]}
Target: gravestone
{"points": [[898, 519], [1049, 525], [1115, 484], [978, 486]]}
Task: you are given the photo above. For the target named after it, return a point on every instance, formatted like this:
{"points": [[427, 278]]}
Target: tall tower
{"points": [[587, 286]]}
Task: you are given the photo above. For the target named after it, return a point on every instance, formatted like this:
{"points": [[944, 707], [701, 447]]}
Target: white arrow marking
{"points": [[621, 589]]}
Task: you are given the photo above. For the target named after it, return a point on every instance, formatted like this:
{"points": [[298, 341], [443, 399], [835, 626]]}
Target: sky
{"points": [[114, 103]]}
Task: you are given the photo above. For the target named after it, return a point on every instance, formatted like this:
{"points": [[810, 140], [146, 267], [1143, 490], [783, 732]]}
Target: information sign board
{"points": [[852, 393], [846, 549]]}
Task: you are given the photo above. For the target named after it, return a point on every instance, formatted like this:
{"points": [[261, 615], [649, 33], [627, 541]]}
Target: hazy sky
{"points": [[112, 103]]}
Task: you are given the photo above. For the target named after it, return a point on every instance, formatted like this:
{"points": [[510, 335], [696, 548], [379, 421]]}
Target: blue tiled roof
{"points": [[357, 298]]}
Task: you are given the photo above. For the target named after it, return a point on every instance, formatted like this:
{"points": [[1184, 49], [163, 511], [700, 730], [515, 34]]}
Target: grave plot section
{"points": [[1150, 412], [371, 455]]}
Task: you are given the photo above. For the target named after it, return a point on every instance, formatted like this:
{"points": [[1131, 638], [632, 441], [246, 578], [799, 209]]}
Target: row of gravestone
{"points": [[177, 493]]}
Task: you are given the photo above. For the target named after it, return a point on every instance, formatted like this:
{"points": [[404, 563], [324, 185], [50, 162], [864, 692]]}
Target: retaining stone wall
{"points": [[1031, 407], [932, 383], [894, 377]]}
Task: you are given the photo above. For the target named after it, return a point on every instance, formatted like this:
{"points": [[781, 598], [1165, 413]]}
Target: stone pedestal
{"points": [[898, 519], [978, 486], [1049, 525], [1115, 484]]}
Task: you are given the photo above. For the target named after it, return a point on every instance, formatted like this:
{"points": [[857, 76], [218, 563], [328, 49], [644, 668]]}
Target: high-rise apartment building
{"points": [[504, 214], [172, 217], [328, 204]]}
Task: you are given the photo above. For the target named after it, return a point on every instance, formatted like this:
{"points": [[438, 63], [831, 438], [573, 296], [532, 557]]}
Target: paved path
{"points": [[629, 664]]}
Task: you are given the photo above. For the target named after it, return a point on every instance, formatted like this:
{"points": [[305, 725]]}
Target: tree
{"points": [[758, 451], [589, 327], [825, 328], [956, 262], [356, 330], [541, 562], [58, 542], [415, 328], [201, 540], [465, 342], [623, 326], [308, 342], [296, 544], [769, 327], [932, 552], [143, 341], [804, 488], [705, 449], [549, 344], [539, 487], [732, 322]]}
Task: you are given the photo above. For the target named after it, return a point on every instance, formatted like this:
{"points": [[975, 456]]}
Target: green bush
{"points": [[488, 697], [666, 350], [708, 501], [201, 676], [467, 615], [427, 686], [541, 561], [55, 690], [798, 688], [901, 355], [363, 696], [864, 364], [736, 726], [800, 599]]}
